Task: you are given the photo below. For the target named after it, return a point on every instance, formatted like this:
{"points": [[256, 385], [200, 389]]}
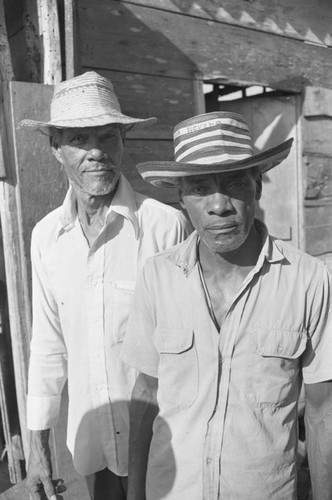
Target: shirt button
{"points": [[94, 283], [208, 460], [99, 388], [280, 350], [97, 354]]}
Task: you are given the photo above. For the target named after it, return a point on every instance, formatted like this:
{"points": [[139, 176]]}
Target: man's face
{"points": [[221, 207], [91, 156]]}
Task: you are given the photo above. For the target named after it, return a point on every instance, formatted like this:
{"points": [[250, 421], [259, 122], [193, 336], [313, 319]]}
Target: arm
{"points": [[39, 474], [143, 410], [47, 376], [318, 423]]}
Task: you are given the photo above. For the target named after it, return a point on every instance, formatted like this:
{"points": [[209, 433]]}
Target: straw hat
{"points": [[87, 100], [211, 143]]}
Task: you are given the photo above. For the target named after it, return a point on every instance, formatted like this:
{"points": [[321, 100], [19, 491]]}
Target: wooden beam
{"points": [[50, 32], [300, 19], [132, 38]]}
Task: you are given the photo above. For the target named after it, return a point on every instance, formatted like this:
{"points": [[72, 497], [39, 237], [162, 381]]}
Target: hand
{"points": [[39, 474]]}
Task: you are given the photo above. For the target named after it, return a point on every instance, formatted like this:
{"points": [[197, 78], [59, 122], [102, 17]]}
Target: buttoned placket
{"points": [[215, 432], [95, 331]]}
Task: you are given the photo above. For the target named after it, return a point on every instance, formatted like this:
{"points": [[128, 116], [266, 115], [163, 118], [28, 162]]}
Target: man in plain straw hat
{"points": [[223, 329], [85, 257]]}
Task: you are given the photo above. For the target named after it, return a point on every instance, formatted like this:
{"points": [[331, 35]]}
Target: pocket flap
{"points": [[173, 341], [278, 343]]}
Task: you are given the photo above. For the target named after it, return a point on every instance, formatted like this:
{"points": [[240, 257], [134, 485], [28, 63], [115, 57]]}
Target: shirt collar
{"points": [[186, 255], [123, 203]]}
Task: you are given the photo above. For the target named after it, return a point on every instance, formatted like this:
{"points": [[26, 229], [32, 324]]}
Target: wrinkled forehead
{"points": [[221, 177]]}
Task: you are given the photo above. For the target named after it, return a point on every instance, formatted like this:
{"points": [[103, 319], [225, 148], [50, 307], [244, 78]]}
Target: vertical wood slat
{"points": [[15, 261], [49, 29], [8, 404], [72, 53], [6, 68]]}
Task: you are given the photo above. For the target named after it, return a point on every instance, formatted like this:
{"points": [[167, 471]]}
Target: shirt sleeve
{"points": [[316, 361], [138, 349], [48, 355]]}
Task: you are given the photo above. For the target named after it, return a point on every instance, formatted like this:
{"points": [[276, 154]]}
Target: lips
{"points": [[220, 227]]}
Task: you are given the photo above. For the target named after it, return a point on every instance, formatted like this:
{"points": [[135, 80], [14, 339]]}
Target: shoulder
{"points": [[47, 226], [168, 258], [302, 261], [153, 208]]}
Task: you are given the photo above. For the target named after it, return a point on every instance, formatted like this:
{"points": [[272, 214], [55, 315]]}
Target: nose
{"points": [[219, 204], [95, 149]]}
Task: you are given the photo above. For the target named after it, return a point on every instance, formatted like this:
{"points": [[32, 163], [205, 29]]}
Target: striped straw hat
{"points": [[211, 143], [87, 100]]}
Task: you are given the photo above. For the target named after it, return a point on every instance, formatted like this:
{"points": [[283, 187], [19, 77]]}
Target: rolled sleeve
{"points": [[48, 355], [43, 412], [316, 361], [138, 349]]}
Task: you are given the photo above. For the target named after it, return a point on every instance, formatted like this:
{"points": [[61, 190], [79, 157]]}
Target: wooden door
{"points": [[272, 120]]}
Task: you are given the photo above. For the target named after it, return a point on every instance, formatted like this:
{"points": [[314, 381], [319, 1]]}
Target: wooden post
{"points": [[50, 32], [70, 39]]}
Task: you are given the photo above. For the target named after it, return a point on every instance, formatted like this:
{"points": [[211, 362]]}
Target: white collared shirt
{"points": [[81, 302]]}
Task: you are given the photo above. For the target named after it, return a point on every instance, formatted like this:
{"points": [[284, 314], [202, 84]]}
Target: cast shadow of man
{"points": [[93, 422]]}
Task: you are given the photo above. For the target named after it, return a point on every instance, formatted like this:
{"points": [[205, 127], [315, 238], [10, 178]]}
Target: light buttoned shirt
{"points": [[81, 302], [227, 421]]}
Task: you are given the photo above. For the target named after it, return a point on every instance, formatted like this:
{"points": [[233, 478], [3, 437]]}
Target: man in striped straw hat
{"points": [[224, 327], [85, 257]]}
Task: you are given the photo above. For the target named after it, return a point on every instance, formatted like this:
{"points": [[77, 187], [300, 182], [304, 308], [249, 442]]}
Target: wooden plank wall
{"points": [[24, 40], [317, 162]]}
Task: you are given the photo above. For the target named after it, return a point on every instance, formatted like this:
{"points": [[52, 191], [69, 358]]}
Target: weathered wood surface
{"points": [[71, 45], [8, 403], [317, 133], [133, 38], [142, 96], [300, 19], [318, 204], [24, 41], [42, 182], [49, 28], [317, 160], [15, 264], [6, 67], [317, 102], [137, 151]]}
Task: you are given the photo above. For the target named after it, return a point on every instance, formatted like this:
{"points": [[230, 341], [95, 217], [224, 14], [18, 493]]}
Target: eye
{"points": [[236, 186], [199, 190], [77, 139]]}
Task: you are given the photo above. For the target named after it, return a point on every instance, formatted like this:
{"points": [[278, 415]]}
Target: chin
{"points": [[226, 246], [101, 190]]}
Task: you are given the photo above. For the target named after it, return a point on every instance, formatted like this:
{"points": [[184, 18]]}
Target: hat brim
{"points": [[166, 173], [95, 121]]}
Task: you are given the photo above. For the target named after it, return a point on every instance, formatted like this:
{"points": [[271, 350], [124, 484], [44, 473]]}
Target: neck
{"points": [[92, 206]]}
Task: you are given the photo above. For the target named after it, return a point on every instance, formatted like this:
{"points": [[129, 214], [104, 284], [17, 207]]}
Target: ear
{"points": [[259, 186]]}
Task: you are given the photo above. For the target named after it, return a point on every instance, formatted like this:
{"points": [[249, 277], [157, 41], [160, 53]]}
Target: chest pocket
{"points": [[178, 367], [274, 365], [118, 299]]}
